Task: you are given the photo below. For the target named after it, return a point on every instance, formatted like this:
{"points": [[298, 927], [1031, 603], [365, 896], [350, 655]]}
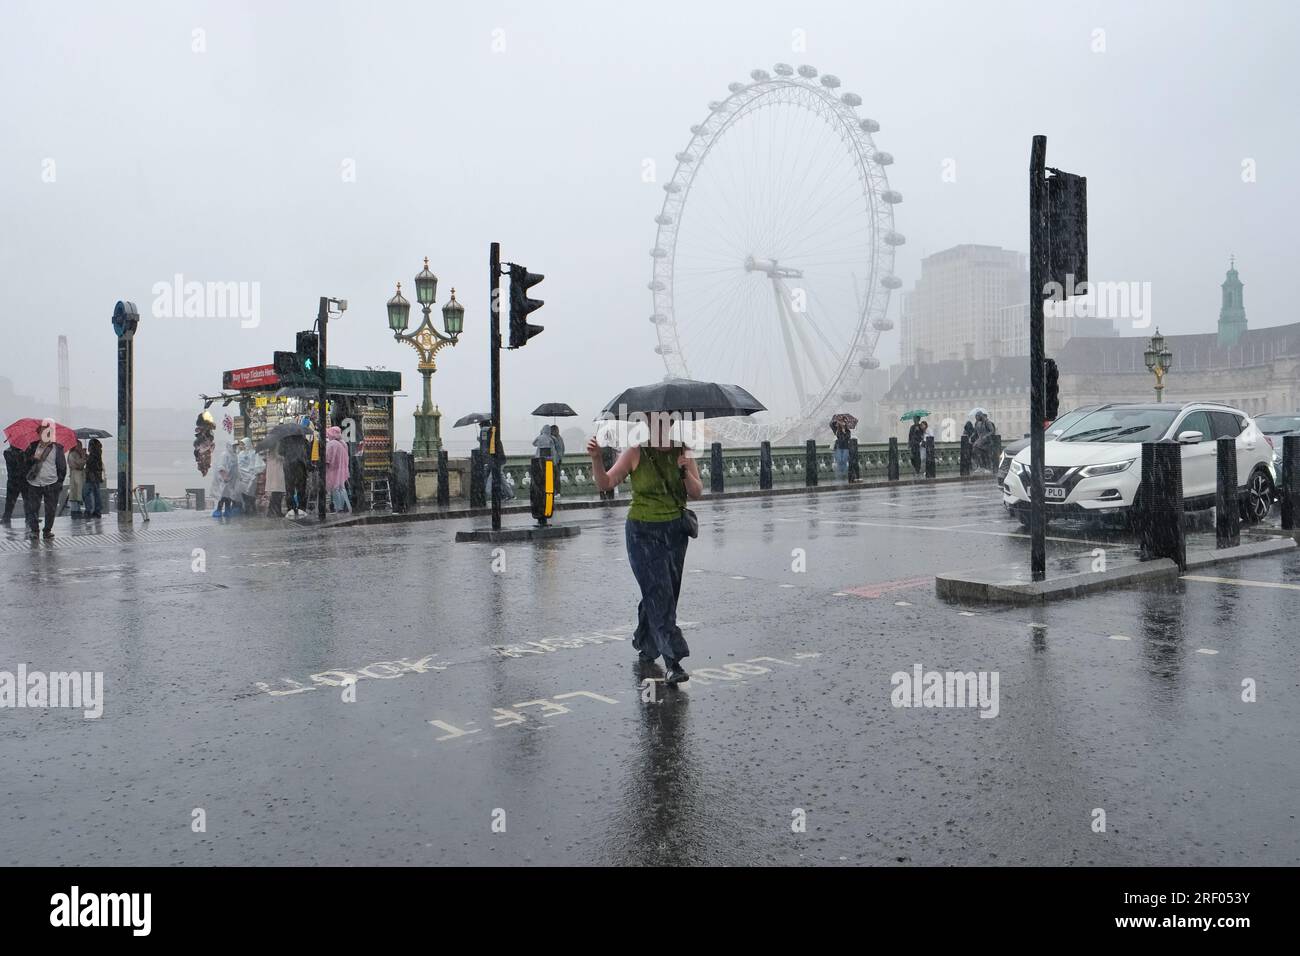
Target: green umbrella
{"points": [[916, 413]]}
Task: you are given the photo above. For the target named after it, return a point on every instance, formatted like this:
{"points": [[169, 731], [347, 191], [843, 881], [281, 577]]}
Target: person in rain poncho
{"points": [[250, 466], [657, 532], [336, 469], [225, 481], [984, 432]]}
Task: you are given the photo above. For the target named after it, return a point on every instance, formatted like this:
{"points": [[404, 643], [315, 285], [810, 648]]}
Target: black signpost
{"points": [[126, 318], [1058, 265]]}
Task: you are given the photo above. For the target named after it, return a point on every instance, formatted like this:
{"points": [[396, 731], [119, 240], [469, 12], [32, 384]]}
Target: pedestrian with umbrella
{"points": [[915, 436], [47, 467], [92, 499], [550, 434], [659, 525], [842, 426]]}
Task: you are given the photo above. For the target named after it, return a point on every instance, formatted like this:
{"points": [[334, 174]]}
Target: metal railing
{"points": [[740, 465]]}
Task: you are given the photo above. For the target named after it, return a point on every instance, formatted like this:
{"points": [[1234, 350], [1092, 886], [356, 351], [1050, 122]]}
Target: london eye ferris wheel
{"points": [[773, 261]]}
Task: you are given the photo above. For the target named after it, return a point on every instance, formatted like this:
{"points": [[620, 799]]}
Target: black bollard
{"points": [[765, 465], [855, 466], [1227, 506], [810, 464], [930, 464], [891, 469], [1158, 510], [1290, 481], [607, 458], [477, 479], [444, 481], [963, 466], [715, 468]]}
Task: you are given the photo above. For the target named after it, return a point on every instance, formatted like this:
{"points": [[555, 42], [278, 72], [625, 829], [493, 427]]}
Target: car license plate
{"points": [[1057, 494]]}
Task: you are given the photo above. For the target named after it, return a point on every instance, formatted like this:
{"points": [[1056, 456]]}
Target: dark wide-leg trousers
{"points": [[656, 550]]}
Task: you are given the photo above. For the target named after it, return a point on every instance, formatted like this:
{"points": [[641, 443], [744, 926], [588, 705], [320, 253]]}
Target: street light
{"points": [[1158, 359], [426, 340]]}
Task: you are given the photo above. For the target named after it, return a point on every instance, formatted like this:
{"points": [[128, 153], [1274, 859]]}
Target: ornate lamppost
{"points": [[426, 340], [1158, 359]]}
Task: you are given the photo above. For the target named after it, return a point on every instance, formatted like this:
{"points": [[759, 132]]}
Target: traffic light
{"points": [[1052, 378], [308, 352], [521, 280]]}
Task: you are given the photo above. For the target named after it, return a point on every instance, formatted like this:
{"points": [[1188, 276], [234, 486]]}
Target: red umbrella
{"points": [[27, 430]]}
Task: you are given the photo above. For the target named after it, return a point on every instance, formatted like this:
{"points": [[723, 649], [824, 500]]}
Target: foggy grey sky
{"points": [[225, 165]]}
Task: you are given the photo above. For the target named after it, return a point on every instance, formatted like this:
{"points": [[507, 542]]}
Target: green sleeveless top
{"points": [[653, 498]]}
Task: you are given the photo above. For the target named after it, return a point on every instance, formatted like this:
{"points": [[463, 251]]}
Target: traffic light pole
{"points": [[1038, 269], [494, 350], [322, 418]]}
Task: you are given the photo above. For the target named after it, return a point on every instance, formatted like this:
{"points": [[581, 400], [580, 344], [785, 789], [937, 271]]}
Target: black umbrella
{"points": [[554, 410], [473, 418], [701, 399], [93, 433], [280, 432]]}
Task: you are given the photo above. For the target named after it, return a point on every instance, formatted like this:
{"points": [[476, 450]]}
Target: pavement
{"points": [[383, 695]]}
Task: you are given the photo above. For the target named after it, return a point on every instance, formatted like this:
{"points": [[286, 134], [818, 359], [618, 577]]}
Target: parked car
{"points": [[1011, 449], [1277, 427], [1095, 466]]}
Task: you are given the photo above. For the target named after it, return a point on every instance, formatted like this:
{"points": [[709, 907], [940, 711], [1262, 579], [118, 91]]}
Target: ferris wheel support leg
{"points": [[788, 339], [783, 296]]}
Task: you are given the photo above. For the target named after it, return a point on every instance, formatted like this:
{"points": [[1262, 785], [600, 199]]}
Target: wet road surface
{"points": [[499, 714]]}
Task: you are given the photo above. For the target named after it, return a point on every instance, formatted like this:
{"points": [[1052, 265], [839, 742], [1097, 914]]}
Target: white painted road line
{"points": [[1249, 584], [1120, 637], [1205, 650]]}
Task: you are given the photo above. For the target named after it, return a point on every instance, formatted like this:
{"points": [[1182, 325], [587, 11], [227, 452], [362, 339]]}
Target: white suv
{"points": [[1095, 466]]}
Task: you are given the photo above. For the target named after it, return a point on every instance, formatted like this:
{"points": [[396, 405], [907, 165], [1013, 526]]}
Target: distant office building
{"points": [[955, 309]]}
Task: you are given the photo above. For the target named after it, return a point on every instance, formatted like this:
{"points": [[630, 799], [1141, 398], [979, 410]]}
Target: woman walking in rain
{"points": [[663, 477], [76, 478]]}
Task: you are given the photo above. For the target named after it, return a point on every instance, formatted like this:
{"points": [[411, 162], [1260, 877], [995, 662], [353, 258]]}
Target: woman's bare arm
{"points": [[694, 486], [607, 480]]}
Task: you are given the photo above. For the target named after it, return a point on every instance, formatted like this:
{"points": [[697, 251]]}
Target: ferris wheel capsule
{"points": [[869, 361], [882, 324], [830, 81], [851, 99], [663, 219], [808, 72], [870, 126], [895, 238], [759, 75], [783, 69], [684, 158], [735, 87], [892, 196], [883, 159], [892, 282]]}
